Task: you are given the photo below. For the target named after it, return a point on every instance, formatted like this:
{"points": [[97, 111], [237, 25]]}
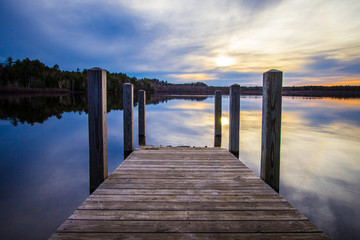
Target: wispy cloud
{"points": [[180, 38], [191, 77]]}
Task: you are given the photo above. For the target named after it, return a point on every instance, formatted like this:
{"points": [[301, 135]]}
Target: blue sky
{"points": [[314, 42]]}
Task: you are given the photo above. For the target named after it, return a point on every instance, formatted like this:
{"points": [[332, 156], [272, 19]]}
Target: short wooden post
{"points": [[98, 166], [217, 142], [271, 127], [141, 116], [234, 123], [128, 101]]}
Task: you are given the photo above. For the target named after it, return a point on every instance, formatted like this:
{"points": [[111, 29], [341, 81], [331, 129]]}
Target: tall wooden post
{"points": [[217, 142], [128, 101], [234, 123], [141, 116], [271, 127], [98, 166]]}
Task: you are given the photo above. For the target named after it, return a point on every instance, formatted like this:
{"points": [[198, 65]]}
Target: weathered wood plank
{"points": [[244, 177], [190, 236], [187, 198], [178, 164], [200, 182], [190, 151], [181, 162], [183, 157], [186, 206], [199, 192], [133, 215], [187, 226], [240, 171], [165, 194], [178, 174], [182, 186], [179, 169], [173, 176], [201, 162]]}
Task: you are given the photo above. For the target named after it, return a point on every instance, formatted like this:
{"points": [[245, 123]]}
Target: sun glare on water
{"points": [[224, 61]]}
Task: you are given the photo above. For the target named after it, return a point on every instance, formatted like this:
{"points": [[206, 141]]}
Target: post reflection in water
{"points": [[320, 170], [319, 159]]}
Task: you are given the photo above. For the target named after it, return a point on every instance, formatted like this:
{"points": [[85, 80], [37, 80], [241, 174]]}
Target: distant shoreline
{"points": [[34, 92], [194, 90]]}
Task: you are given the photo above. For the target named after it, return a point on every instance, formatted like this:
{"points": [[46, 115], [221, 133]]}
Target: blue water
{"points": [[44, 167]]}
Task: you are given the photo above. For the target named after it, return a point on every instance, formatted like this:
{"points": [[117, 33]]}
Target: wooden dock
{"points": [[185, 193]]}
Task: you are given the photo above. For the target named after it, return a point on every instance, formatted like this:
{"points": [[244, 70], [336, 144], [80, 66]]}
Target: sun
{"points": [[224, 120], [224, 61]]}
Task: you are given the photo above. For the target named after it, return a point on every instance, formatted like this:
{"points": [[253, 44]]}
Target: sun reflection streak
{"points": [[190, 106]]}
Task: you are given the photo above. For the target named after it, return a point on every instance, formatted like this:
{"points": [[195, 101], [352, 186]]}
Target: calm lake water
{"points": [[44, 167]]}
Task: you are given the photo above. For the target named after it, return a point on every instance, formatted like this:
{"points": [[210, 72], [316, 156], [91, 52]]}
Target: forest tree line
{"points": [[33, 74]]}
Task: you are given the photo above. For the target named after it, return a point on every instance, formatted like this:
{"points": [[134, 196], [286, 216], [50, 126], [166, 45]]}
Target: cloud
{"points": [[191, 77], [288, 28], [186, 37]]}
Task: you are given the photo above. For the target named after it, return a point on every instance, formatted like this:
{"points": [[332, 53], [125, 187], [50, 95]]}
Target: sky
{"points": [[314, 42]]}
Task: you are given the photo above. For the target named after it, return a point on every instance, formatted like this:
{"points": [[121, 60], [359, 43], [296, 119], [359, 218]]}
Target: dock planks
{"points": [[185, 193]]}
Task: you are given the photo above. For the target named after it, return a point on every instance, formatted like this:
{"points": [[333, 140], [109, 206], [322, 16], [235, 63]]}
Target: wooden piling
{"points": [[217, 141], [98, 166], [128, 96], [234, 122], [271, 128], [141, 116]]}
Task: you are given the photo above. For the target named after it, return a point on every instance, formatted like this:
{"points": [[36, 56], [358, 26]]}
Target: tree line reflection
{"points": [[37, 109]]}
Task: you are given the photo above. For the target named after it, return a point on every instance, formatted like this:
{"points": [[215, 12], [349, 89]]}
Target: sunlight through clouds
{"points": [[285, 35], [217, 41], [191, 77], [224, 61]]}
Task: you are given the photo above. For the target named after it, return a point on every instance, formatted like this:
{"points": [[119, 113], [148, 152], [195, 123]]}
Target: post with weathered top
{"points": [[217, 141], [128, 101], [98, 166], [271, 127], [141, 116], [234, 122]]}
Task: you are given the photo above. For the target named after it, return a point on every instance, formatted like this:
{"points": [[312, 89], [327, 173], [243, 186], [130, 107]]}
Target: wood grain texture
{"points": [[204, 226], [98, 166], [184, 206], [234, 121], [158, 215], [151, 199], [186, 236], [271, 128]]}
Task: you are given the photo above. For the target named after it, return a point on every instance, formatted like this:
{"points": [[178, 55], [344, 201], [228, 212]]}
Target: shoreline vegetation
{"points": [[31, 92], [33, 78], [302, 91]]}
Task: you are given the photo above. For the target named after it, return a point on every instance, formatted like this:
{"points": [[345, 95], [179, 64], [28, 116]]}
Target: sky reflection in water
{"points": [[44, 168], [319, 158]]}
